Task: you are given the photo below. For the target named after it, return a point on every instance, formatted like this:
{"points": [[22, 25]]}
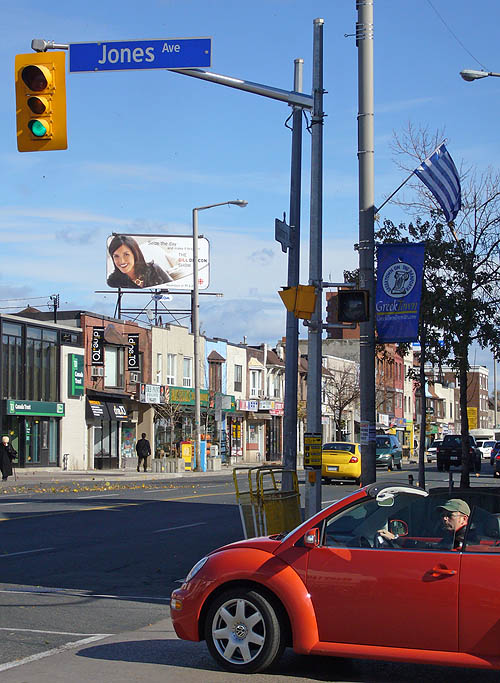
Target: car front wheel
{"points": [[243, 631]]}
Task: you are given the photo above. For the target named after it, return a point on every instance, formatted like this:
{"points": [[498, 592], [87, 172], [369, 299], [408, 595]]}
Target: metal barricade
{"points": [[264, 508]]}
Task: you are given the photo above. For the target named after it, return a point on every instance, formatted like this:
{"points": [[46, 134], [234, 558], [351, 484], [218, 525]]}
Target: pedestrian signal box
{"points": [[41, 101], [353, 305], [301, 300]]}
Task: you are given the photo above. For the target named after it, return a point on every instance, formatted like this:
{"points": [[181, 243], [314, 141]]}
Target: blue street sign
{"points": [[119, 55]]}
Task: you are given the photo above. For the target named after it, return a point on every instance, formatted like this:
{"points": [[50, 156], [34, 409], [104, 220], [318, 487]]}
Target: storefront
{"points": [[104, 422], [33, 428]]}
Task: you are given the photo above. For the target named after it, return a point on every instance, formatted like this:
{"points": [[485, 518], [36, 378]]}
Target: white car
{"points": [[485, 448], [430, 453]]}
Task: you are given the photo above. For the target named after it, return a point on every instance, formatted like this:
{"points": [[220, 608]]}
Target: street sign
{"points": [[120, 55], [312, 449]]}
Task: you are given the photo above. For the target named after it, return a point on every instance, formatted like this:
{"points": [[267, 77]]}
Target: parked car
{"points": [[341, 460], [310, 589], [494, 452], [431, 452], [388, 452], [485, 447]]}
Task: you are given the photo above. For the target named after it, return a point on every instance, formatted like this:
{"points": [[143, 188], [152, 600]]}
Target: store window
{"points": [[41, 364], [12, 361], [255, 383], [114, 367], [238, 378]]}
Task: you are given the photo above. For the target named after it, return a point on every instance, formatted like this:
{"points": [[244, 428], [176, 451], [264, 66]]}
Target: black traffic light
{"points": [[353, 305], [41, 101]]}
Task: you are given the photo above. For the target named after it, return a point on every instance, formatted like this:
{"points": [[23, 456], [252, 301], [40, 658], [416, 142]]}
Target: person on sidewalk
{"points": [[7, 455], [143, 449]]}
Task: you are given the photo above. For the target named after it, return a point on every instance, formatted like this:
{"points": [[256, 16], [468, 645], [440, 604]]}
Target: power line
{"points": [[456, 37]]}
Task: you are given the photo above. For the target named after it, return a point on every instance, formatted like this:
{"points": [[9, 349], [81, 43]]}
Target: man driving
{"points": [[454, 516]]}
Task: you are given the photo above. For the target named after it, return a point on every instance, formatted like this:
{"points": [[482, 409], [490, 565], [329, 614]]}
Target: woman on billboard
{"points": [[131, 269]]}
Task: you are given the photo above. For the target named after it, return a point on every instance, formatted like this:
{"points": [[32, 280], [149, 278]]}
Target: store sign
{"points": [[97, 409], [41, 408], [133, 352], [75, 375], [251, 406], [149, 393], [97, 346], [271, 405], [117, 411]]}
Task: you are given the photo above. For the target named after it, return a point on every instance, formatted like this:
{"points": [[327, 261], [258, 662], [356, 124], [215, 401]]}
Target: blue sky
{"points": [[146, 147]]}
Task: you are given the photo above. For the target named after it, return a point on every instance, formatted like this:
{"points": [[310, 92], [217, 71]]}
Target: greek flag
{"points": [[440, 175]]}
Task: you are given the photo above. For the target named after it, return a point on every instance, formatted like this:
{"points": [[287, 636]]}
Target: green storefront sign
{"points": [[75, 375], [41, 408], [185, 396]]}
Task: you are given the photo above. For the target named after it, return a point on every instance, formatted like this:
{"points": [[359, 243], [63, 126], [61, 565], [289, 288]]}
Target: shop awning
{"points": [[96, 410]]}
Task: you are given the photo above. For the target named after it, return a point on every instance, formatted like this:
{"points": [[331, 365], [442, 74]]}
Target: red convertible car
{"points": [[390, 572]]}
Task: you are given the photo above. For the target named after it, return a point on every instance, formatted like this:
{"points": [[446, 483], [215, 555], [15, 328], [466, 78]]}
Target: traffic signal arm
{"points": [[41, 101]]}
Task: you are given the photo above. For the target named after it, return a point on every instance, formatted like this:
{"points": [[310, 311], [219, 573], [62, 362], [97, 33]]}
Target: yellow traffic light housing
{"points": [[41, 101], [301, 300]]}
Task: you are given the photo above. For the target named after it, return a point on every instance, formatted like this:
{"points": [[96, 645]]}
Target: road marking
{"points": [[173, 528], [66, 512], [56, 633], [48, 653], [82, 594], [200, 495], [96, 495], [26, 552], [6, 502]]}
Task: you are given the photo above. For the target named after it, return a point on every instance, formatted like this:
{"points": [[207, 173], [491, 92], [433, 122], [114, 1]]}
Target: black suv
{"points": [[449, 453]]}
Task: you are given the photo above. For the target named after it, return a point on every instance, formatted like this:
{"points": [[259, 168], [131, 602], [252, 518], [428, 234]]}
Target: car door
{"points": [[382, 596], [479, 606]]}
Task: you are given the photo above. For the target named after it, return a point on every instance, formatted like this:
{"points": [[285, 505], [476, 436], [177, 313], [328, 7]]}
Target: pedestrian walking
{"points": [[7, 455], [143, 449]]}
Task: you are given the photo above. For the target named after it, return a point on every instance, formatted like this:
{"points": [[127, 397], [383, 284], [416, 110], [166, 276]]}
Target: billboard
{"points": [[151, 261]]}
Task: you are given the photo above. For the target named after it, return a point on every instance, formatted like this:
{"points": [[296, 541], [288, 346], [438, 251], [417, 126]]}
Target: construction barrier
{"points": [[266, 509]]}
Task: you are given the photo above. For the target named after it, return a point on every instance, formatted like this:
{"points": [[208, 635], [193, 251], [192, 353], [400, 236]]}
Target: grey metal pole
{"points": [[314, 341], [292, 323], [364, 42], [196, 347], [495, 390]]}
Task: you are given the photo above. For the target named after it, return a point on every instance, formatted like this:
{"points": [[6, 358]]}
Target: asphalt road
{"points": [[86, 579]]}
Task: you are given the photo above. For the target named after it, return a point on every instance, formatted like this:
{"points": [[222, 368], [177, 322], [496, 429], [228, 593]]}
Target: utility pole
{"points": [[292, 323], [314, 341], [364, 43]]}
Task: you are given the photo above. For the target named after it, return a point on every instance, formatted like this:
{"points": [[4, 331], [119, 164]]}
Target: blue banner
{"points": [[399, 288]]}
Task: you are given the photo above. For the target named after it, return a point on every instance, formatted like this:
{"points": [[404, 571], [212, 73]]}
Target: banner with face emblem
{"points": [[399, 288]]}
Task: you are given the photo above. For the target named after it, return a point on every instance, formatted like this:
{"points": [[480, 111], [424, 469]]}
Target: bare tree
{"points": [[341, 389]]}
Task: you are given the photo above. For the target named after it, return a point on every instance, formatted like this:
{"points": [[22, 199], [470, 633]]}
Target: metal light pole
{"points": [[195, 318], [314, 340], [364, 42]]}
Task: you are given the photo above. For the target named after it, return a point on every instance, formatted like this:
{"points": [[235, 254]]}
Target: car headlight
{"points": [[195, 569]]}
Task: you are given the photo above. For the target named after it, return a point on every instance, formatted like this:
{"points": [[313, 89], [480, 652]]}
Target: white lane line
{"points": [[6, 502], [49, 653], [81, 594], [26, 552], [96, 495], [173, 528], [57, 633]]}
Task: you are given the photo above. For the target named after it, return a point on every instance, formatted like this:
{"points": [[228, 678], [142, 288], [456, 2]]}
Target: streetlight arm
{"points": [[236, 202], [470, 75]]}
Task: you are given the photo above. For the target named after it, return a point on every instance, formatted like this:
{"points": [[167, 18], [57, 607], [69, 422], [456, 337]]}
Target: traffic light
{"points": [[41, 101], [353, 305]]}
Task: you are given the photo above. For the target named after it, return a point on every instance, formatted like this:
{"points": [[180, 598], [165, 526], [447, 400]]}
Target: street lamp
{"points": [[473, 75], [196, 323]]}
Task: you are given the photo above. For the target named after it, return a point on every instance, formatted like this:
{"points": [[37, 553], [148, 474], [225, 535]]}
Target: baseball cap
{"points": [[456, 505]]}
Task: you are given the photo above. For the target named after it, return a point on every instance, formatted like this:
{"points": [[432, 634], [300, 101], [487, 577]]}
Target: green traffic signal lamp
{"points": [[41, 101]]}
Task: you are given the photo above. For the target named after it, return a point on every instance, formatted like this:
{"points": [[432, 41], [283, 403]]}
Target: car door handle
{"points": [[442, 571]]}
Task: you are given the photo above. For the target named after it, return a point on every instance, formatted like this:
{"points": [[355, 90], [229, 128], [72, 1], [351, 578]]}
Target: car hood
{"points": [[268, 544], [382, 451]]}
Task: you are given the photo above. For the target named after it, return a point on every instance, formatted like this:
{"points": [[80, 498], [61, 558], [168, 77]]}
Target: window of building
{"points": [[238, 378], [255, 383], [41, 364], [187, 379], [275, 385], [171, 361], [114, 367], [215, 375], [159, 367], [12, 361]]}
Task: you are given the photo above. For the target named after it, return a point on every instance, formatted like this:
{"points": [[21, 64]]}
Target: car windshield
{"points": [[339, 446], [489, 444], [383, 442]]}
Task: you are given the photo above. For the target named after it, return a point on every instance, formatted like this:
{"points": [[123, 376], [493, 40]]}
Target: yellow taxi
{"points": [[341, 460]]}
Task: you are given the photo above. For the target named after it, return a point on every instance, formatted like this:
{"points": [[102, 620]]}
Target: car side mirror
{"points": [[398, 527], [311, 538]]}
